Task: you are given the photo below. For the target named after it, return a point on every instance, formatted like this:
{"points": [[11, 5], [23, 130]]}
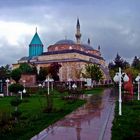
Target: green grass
{"points": [[127, 126], [94, 91], [33, 120]]}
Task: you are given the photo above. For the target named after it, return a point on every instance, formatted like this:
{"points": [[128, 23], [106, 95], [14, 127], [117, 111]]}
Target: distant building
{"points": [[73, 56]]}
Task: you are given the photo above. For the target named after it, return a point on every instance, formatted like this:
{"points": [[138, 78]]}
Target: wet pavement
{"points": [[93, 121]]}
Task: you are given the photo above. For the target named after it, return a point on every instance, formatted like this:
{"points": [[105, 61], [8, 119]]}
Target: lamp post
{"points": [[138, 81], [24, 91], [74, 86], [51, 80], [20, 92], [81, 79], [48, 84], [24, 81], [69, 80], [118, 78], [7, 84]]}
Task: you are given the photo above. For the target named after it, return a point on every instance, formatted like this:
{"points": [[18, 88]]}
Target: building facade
{"points": [[73, 56]]}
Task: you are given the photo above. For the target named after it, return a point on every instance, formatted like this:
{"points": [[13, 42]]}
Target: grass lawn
{"points": [[32, 119], [127, 126], [94, 91]]}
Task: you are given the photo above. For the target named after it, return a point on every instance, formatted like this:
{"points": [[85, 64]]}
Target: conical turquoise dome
{"points": [[36, 40], [36, 46]]}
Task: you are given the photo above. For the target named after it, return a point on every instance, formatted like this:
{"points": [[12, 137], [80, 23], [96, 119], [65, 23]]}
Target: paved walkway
{"points": [[93, 121]]}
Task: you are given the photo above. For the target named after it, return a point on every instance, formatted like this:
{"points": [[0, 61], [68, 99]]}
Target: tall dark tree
{"points": [[54, 70], [136, 63], [5, 72], [42, 74], [117, 62]]}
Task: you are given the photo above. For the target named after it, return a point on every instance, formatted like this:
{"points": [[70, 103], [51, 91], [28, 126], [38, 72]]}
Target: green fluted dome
{"points": [[36, 46]]}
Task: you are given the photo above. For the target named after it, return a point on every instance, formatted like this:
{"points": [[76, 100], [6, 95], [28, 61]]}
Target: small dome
{"points": [[66, 41], [24, 58], [85, 46]]}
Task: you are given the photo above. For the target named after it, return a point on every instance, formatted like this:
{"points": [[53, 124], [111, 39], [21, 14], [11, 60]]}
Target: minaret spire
{"points": [[88, 41], [78, 34], [36, 30]]}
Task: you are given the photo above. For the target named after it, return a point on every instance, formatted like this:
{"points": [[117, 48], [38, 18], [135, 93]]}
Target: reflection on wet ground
{"points": [[93, 121]]}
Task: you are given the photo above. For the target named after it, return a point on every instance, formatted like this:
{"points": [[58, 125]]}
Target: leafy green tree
{"points": [[133, 72], [94, 72], [16, 74], [26, 68]]}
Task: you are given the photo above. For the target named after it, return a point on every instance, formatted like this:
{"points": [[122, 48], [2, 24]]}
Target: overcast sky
{"points": [[112, 24]]}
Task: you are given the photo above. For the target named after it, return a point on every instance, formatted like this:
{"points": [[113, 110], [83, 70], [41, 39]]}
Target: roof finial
{"points": [[36, 29], [65, 37], [88, 41], [99, 47]]}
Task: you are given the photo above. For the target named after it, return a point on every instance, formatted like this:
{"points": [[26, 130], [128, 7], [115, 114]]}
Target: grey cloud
{"points": [[112, 24]]}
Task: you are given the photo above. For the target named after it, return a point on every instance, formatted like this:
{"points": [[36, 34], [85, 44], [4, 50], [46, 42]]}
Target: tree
{"points": [[26, 68], [116, 63], [16, 74], [134, 72], [15, 88], [42, 74], [136, 63], [119, 62], [94, 72], [5, 71], [54, 70]]}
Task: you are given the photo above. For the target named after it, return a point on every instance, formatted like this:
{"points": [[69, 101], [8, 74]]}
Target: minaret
{"points": [[36, 46], [99, 47], [88, 41], [78, 34]]}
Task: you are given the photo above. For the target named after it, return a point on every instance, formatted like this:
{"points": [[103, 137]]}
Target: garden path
{"points": [[93, 121]]}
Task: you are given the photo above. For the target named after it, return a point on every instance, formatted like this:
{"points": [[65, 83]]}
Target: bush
{"points": [[15, 102], [31, 90], [15, 88], [16, 113]]}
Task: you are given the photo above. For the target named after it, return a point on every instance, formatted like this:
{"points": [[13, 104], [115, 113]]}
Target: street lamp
{"points": [[81, 79], [138, 81], [24, 81], [24, 90], [48, 84], [39, 85], [69, 80], [74, 86], [20, 92], [51, 80], [118, 78], [7, 84]]}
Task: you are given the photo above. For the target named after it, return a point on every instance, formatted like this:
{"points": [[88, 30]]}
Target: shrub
{"points": [[15, 102], [15, 88]]}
